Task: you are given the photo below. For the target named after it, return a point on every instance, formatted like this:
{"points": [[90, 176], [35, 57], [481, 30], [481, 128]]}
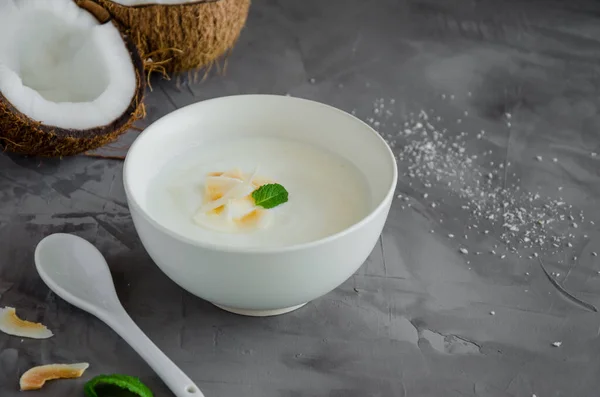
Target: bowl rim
{"points": [[131, 200]]}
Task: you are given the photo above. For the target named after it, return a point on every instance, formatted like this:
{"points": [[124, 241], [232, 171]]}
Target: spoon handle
{"points": [[172, 376]]}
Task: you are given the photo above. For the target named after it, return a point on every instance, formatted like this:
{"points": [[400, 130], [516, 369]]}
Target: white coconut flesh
{"points": [[61, 67], [133, 3]]}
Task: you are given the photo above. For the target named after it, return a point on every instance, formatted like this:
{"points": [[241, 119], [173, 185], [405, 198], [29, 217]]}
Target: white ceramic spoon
{"points": [[77, 272]]}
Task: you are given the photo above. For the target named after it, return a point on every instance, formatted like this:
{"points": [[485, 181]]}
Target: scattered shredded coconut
{"points": [[463, 251], [434, 158], [556, 344]]}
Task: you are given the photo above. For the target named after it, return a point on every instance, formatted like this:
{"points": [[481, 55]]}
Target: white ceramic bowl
{"points": [[270, 280]]}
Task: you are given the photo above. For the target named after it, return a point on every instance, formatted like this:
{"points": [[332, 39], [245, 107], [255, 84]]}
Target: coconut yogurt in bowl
{"points": [[259, 203], [207, 193]]}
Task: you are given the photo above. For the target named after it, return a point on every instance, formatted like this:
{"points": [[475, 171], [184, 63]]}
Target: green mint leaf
{"points": [[106, 385], [270, 195]]}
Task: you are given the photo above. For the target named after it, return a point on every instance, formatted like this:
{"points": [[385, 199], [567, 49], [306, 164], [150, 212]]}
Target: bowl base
{"points": [[259, 313]]}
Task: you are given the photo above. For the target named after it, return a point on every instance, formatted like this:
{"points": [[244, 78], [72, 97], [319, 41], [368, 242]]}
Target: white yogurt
{"points": [[327, 193]]}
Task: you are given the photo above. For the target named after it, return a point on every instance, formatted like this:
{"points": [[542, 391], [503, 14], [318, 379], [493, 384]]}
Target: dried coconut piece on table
{"points": [[36, 377], [11, 324]]}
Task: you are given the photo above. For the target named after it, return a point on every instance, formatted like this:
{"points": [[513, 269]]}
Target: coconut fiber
{"points": [[182, 37]]}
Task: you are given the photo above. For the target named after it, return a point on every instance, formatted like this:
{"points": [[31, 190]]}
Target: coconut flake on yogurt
{"points": [[228, 205]]}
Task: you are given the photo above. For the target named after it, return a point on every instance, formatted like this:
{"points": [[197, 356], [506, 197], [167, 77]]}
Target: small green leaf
{"points": [[270, 195], [98, 386]]}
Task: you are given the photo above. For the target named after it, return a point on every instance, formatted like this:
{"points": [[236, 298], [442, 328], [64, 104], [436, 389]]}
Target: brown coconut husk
{"points": [[22, 135], [182, 38]]}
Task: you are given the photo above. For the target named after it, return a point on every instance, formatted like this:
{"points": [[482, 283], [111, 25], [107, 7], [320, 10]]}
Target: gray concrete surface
{"points": [[416, 319]]}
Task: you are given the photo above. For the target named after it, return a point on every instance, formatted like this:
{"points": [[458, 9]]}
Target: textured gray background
{"points": [[414, 320]]}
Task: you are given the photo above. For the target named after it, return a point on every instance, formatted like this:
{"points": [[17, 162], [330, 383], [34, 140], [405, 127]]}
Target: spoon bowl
{"points": [[77, 272]]}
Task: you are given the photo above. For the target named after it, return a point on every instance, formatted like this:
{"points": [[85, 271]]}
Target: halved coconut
{"points": [[69, 80], [181, 35]]}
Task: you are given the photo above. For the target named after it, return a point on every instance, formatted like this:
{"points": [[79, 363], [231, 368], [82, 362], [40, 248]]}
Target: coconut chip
{"points": [[36, 377], [11, 324], [228, 205]]}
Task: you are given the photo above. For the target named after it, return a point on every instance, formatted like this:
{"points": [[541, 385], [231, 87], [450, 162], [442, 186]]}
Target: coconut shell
{"points": [[184, 37], [22, 135]]}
